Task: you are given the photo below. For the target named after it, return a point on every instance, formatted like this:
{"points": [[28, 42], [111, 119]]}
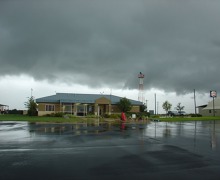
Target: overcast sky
{"points": [[91, 46]]}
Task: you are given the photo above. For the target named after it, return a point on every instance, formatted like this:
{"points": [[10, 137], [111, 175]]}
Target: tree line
{"points": [[167, 107]]}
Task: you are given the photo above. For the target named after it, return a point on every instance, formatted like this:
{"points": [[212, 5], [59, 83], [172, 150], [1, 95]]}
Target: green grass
{"points": [[90, 120], [175, 119]]}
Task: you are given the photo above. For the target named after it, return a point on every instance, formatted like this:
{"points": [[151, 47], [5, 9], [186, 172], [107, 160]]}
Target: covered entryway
{"points": [[102, 106]]}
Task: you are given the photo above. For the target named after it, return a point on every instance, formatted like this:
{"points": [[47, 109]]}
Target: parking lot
{"points": [[157, 150]]}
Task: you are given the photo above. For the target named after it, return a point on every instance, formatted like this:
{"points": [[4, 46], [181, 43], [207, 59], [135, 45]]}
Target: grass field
{"points": [[10, 117], [174, 119]]}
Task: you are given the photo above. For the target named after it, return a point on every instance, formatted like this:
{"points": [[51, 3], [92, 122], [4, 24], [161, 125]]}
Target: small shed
{"points": [[207, 110]]}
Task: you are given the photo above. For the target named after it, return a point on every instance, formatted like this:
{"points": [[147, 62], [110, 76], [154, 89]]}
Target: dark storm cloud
{"points": [[102, 42]]}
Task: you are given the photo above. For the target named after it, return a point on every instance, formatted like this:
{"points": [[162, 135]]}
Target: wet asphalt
{"points": [[156, 150]]}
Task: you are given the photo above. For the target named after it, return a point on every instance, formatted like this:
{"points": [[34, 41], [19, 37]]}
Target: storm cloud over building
{"points": [[176, 44]]}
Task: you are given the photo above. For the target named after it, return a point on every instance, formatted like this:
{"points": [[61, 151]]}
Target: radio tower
{"points": [[141, 87]]}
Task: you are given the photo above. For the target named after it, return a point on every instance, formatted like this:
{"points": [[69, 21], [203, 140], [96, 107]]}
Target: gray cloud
{"points": [[101, 42]]}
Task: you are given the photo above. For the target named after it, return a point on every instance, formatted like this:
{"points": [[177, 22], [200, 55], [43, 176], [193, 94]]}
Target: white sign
{"points": [[133, 116], [213, 94]]}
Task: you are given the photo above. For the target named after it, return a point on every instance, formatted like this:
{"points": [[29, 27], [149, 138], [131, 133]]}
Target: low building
{"points": [[4, 109], [82, 104], [200, 108], [207, 110]]}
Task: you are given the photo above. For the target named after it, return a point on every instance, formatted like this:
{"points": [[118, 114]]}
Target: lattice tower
{"points": [[141, 87]]}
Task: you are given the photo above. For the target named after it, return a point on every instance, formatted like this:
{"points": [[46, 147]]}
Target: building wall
{"points": [[200, 110], [115, 109], [42, 113], [135, 109], [209, 112], [105, 108], [42, 108], [205, 112], [102, 101]]}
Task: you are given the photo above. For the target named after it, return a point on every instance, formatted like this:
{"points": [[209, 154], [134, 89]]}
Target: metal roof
{"points": [[3, 105], [81, 98]]}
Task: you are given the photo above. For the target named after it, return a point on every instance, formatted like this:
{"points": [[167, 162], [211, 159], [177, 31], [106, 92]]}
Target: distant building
{"points": [[200, 108], [3, 108], [207, 110], [151, 112], [82, 104]]}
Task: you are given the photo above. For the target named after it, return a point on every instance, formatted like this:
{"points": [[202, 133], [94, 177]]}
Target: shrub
{"points": [[59, 114], [155, 116], [195, 115], [106, 115], [143, 114], [15, 111], [47, 115], [91, 116], [115, 116]]}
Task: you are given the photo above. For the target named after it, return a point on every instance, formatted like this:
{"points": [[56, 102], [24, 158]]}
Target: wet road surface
{"points": [[157, 150]]}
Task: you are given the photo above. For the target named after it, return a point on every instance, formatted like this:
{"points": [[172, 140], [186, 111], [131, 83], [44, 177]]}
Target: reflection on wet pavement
{"points": [[151, 150]]}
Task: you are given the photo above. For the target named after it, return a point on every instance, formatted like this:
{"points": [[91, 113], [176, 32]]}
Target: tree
{"points": [[166, 106], [143, 108], [31, 105], [179, 108], [124, 105]]}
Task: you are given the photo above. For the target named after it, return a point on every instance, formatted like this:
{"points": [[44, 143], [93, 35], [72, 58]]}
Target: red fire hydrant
{"points": [[123, 116]]}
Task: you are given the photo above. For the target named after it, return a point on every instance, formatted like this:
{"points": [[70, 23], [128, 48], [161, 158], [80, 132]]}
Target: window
{"points": [[210, 111], [67, 108], [49, 107]]}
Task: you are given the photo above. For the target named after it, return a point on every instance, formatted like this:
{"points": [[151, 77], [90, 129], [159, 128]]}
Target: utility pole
{"points": [[195, 100], [146, 106], [155, 97], [157, 106], [214, 106]]}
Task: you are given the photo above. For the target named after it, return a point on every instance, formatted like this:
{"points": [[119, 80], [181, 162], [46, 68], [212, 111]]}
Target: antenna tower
{"points": [[141, 87]]}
